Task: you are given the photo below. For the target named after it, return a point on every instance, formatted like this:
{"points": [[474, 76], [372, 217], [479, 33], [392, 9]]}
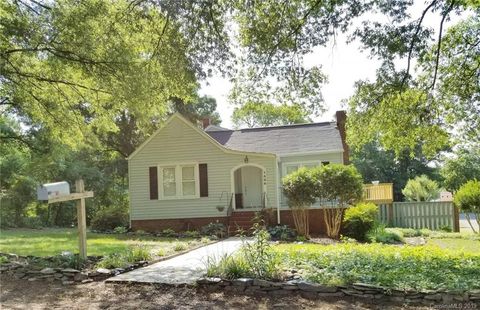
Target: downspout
{"points": [[277, 161]]}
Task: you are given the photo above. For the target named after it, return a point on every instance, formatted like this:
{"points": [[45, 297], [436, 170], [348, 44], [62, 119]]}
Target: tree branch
{"points": [[414, 38], [439, 46]]}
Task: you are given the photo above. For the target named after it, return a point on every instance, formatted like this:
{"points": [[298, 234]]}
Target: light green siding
{"points": [[335, 157], [180, 143]]}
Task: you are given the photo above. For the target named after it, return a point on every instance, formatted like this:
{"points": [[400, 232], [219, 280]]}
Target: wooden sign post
{"points": [[81, 220], [80, 196]]}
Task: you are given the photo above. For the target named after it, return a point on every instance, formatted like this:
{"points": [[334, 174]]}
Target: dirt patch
{"points": [[20, 294]]}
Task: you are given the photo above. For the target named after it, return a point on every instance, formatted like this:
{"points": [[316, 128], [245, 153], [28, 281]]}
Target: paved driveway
{"points": [[183, 269], [464, 226]]}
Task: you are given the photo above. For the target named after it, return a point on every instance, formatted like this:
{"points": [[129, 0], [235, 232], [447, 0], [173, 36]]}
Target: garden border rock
{"points": [[19, 267], [316, 291]]}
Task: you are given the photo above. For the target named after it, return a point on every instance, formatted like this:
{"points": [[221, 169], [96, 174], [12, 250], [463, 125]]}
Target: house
{"points": [[184, 177]]}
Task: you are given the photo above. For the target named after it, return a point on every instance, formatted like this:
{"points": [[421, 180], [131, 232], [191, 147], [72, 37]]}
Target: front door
{"points": [[252, 186]]}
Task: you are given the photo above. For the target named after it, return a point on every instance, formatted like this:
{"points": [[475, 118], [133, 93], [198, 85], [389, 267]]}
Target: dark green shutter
{"points": [[203, 176], [153, 176]]}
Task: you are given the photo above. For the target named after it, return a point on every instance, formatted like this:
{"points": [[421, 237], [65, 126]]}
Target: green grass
{"points": [[49, 242], [399, 267], [457, 244]]}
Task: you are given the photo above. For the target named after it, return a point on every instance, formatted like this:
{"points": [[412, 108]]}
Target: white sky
{"points": [[342, 63]]}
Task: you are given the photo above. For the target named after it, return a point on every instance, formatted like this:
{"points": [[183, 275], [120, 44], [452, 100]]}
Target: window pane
{"points": [[188, 173], [292, 168], [309, 166], [168, 175], [169, 189], [188, 188]]}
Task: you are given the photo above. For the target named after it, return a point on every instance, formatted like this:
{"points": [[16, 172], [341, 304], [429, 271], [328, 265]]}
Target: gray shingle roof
{"points": [[281, 140]]}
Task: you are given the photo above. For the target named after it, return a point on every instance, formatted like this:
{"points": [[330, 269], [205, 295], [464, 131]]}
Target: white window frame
{"points": [[300, 164], [179, 181]]}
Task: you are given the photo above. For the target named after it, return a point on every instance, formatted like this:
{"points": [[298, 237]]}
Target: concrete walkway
{"points": [[183, 269]]}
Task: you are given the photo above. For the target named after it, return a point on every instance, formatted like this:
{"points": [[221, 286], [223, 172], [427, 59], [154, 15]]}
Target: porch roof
{"points": [[281, 140]]}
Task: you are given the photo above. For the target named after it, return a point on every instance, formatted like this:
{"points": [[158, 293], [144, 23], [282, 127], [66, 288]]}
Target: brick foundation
{"points": [[317, 223], [315, 216], [176, 224]]}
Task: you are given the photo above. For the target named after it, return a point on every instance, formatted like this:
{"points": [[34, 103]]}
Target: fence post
{"points": [[456, 219], [390, 214]]}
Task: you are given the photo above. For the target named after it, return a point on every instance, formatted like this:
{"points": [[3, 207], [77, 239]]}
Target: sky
{"points": [[343, 63]]}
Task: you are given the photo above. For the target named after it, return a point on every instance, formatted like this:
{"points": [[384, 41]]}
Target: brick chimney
{"points": [[341, 125], [205, 122]]}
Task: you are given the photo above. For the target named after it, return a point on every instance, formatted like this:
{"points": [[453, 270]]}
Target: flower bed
{"points": [[394, 267]]}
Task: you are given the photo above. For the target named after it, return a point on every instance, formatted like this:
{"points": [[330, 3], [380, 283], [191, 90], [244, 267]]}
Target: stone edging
{"points": [[24, 270], [314, 291]]}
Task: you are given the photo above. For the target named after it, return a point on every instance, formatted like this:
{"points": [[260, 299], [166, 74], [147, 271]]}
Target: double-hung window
{"points": [[292, 167], [179, 181], [169, 182]]}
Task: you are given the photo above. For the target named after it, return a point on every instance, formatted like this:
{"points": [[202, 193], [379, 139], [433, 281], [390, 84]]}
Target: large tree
{"points": [[253, 114], [437, 106], [375, 163], [464, 166], [95, 60], [78, 69]]}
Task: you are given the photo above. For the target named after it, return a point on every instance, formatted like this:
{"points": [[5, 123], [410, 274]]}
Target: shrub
{"points": [[180, 246], [168, 232], [228, 266], [205, 240], [467, 198], [359, 220], [120, 230], [282, 232], [109, 218], [138, 253], [299, 187], [421, 189], [123, 259], [114, 260], [255, 259], [381, 235], [261, 259], [214, 229], [339, 183], [161, 252], [191, 234], [446, 228]]}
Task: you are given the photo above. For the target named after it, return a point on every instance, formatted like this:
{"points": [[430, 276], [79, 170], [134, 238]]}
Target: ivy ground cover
{"points": [[396, 267]]}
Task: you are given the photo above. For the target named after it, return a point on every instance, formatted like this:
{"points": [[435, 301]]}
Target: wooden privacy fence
{"points": [[424, 214]]}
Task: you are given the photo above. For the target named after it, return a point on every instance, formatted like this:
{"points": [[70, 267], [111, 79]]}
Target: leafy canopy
{"points": [[421, 189], [468, 197], [300, 188], [377, 164], [75, 69], [465, 166], [339, 182], [254, 114]]}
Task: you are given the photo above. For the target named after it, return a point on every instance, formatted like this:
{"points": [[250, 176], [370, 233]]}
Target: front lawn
{"points": [[457, 244], [49, 242], [392, 266]]}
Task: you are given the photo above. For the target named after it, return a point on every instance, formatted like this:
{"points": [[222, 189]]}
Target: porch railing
{"points": [[378, 193]]}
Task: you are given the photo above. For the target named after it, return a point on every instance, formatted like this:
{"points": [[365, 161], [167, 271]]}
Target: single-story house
{"points": [[184, 176]]}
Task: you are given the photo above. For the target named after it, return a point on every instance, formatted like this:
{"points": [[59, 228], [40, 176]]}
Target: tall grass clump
{"points": [[255, 259]]}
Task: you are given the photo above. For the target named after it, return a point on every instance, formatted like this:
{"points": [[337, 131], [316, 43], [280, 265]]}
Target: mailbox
{"points": [[52, 190]]}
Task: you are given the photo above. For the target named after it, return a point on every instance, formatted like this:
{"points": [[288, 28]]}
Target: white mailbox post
{"points": [[59, 192]]}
